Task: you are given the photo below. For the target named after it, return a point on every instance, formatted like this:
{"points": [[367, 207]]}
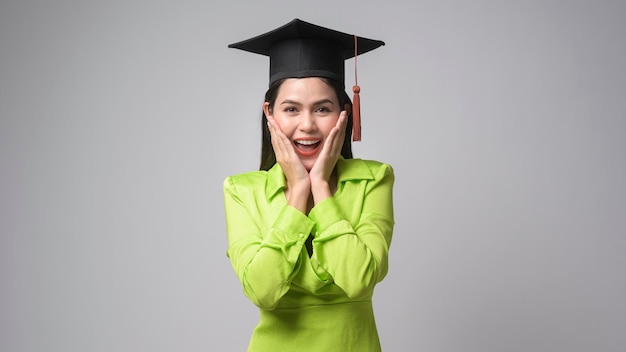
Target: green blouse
{"points": [[322, 302]]}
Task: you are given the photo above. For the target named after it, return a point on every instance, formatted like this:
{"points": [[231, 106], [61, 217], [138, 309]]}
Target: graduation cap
{"points": [[300, 49]]}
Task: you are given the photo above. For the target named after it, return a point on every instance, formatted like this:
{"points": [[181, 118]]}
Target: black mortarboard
{"points": [[300, 49]]}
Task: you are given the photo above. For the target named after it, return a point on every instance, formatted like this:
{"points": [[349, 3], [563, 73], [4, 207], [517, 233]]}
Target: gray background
{"points": [[504, 120]]}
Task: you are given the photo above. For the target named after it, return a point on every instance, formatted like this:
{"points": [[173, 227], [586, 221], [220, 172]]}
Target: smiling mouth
{"points": [[307, 147]]}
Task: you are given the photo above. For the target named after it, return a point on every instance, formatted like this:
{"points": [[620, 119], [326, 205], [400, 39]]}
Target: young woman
{"points": [[309, 233]]}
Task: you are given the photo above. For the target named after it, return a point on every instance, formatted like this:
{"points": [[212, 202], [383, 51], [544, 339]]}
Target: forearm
{"points": [[298, 196], [264, 247], [354, 257], [266, 264], [266, 272], [320, 190], [353, 249]]}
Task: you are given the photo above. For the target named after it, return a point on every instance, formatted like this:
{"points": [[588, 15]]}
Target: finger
{"points": [[279, 140], [273, 133], [283, 148], [339, 134], [341, 125]]}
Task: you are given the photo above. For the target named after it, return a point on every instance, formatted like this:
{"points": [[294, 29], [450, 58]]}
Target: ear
{"points": [[266, 109], [347, 108]]}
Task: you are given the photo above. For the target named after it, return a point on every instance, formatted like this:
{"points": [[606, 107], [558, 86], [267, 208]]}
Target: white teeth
{"points": [[307, 142]]}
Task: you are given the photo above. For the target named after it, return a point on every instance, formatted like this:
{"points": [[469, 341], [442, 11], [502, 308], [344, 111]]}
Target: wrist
{"points": [[320, 190], [302, 187], [298, 195]]}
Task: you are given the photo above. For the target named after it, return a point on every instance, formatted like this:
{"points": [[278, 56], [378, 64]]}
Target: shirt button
{"points": [[301, 235]]}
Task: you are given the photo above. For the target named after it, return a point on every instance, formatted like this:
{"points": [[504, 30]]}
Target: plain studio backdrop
{"points": [[505, 122]]}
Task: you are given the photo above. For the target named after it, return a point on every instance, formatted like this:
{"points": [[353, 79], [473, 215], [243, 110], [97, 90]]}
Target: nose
{"points": [[307, 122]]}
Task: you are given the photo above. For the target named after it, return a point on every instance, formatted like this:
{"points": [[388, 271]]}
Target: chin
{"points": [[308, 164]]}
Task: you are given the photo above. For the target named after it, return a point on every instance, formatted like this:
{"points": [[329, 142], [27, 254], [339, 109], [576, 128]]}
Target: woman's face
{"points": [[306, 109]]}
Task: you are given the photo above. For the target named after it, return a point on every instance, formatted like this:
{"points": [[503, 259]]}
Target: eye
{"points": [[289, 109], [322, 109]]}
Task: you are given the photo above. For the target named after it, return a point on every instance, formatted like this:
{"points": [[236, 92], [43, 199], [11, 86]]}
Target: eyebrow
{"points": [[320, 102]]}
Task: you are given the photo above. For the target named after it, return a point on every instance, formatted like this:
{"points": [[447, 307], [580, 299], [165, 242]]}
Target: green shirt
{"points": [[321, 303]]}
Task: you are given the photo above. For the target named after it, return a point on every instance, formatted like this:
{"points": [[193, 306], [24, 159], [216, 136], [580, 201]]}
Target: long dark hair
{"points": [[268, 158]]}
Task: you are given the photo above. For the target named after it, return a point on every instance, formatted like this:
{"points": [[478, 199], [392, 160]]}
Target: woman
{"points": [[309, 233]]}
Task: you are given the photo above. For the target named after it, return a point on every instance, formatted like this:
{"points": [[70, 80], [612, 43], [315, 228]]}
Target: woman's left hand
{"points": [[325, 163]]}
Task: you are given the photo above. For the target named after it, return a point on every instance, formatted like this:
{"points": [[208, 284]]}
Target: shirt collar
{"points": [[347, 169], [275, 181]]}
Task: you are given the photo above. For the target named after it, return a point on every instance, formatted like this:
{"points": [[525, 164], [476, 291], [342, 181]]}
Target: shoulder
{"points": [[247, 179], [256, 183], [245, 186], [365, 168], [375, 165]]}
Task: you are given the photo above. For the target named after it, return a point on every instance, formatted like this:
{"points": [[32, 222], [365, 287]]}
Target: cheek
{"points": [[285, 124], [329, 125]]}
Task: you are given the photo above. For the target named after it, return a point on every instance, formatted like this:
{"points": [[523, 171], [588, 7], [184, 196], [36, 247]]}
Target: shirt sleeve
{"points": [[264, 261], [355, 257]]}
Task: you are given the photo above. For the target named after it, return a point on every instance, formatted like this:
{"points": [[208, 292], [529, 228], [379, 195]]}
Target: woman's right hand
{"points": [[298, 181]]}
